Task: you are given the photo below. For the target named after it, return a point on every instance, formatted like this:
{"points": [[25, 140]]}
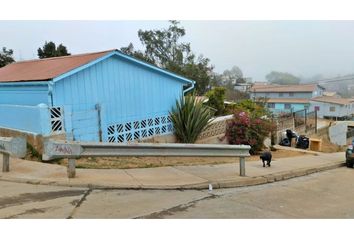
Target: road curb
{"points": [[244, 182]]}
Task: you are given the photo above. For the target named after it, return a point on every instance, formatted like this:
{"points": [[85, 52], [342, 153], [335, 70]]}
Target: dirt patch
{"points": [[148, 162]]}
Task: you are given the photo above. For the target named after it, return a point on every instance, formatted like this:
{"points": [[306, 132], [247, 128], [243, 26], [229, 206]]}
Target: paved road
{"points": [[327, 194]]}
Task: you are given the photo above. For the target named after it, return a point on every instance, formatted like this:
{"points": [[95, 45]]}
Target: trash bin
{"points": [[302, 142]]}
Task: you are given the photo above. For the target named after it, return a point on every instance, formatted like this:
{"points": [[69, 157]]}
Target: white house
{"points": [[286, 98], [333, 107]]}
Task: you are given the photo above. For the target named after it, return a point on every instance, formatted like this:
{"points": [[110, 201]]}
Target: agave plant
{"points": [[189, 118]]}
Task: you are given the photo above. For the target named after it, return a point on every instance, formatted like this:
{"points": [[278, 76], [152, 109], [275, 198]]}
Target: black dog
{"points": [[266, 156]]}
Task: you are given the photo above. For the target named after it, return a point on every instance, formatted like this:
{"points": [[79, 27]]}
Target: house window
{"points": [[291, 94], [332, 109], [271, 105], [57, 119], [280, 94], [287, 105]]}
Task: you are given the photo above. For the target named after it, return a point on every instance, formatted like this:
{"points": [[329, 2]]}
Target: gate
{"points": [[86, 125]]}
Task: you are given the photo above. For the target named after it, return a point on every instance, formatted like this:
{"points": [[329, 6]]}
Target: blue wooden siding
{"points": [[280, 107], [18, 94], [126, 91]]}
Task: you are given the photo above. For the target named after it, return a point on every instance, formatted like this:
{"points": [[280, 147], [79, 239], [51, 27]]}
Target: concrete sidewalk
{"points": [[178, 177]]}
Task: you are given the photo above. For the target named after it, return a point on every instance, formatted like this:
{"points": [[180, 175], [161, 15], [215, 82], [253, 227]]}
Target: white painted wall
{"points": [[338, 133], [340, 110]]}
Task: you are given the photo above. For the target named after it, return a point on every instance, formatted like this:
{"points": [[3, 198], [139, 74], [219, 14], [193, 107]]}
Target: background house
{"points": [[333, 107], [103, 96], [286, 98]]}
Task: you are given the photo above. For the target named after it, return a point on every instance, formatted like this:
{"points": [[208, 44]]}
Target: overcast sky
{"points": [[303, 48]]}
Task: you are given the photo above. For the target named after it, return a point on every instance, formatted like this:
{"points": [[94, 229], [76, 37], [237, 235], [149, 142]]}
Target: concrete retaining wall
{"points": [[338, 133]]}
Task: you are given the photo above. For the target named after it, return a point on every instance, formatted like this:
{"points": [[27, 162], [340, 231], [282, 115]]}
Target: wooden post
{"points": [[315, 120], [305, 120], [98, 108], [5, 162], [71, 168], [242, 167]]}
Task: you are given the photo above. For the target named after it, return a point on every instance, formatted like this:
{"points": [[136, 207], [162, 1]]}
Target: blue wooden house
{"points": [[104, 96]]}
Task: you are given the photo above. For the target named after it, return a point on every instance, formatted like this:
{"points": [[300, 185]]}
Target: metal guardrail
{"points": [[75, 150], [17, 146]]}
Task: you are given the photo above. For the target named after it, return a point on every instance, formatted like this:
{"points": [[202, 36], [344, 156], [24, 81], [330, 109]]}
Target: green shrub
{"points": [[33, 153], [253, 108], [216, 100], [248, 129], [189, 118]]}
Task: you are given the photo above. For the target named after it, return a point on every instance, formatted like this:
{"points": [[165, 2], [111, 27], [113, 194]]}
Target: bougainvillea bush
{"points": [[248, 129]]}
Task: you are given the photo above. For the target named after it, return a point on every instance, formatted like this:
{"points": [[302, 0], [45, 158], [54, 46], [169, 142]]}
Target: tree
{"points": [[233, 76], [164, 49], [216, 100], [49, 50], [6, 57], [282, 78]]}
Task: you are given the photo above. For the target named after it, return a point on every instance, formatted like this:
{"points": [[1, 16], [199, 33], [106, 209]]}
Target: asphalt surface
{"points": [[327, 194]]}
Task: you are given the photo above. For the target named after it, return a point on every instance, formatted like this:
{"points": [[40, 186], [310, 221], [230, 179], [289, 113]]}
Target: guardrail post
{"points": [[242, 167], [5, 162], [71, 168]]}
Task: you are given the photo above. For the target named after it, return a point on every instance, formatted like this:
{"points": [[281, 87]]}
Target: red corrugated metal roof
{"points": [[46, 69]]}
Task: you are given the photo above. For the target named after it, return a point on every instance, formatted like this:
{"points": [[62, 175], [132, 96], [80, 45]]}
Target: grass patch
{"points": [[32, 153]]}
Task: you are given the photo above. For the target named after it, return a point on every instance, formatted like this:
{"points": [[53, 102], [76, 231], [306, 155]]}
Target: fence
{"points": [[73, 151], [300, 121], [285, 123], [311, 121]]}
